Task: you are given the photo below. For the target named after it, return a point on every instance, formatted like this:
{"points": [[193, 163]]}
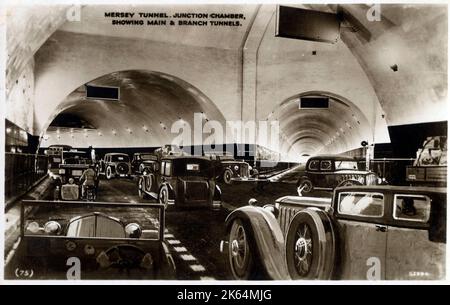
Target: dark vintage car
{"points": [[364, 232], [182, 181], [115, 165], [144, 161], [228, 169], [329, 172], [110, 240]]}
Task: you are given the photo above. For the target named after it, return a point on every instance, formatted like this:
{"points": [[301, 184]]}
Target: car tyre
{"points": [[227, 175], [310, 246], [108, 173], [306, 184], [141, 188], [243, 256], [163, 196]]}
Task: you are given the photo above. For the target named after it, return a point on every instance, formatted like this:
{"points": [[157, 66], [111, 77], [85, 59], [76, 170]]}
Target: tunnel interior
{"points": [[149, 103]]}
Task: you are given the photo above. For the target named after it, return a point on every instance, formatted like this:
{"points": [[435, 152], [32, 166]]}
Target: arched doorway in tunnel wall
{"points": [[150, 102], [338, 128]]}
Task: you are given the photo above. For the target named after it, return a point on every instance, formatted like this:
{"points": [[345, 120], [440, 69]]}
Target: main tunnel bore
{"points": [[150, 102]]}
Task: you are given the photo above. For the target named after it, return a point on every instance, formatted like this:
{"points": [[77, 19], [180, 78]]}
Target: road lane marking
{"points": [[180, 249], [188, 257], [174, 241], [197, 268]]}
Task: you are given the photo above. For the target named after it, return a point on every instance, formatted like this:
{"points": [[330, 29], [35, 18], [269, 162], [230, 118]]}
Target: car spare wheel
{"points": [[310, 246], [108, 173], [122, 168], [305, 184], [227, 175], [242, 252]]}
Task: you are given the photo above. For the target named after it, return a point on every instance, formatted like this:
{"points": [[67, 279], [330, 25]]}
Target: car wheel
{"points": [[108, 173], [306, 185], [141, 188], [163, 196], [349, 183], [310, 246], [242, 252], [227, 175]]}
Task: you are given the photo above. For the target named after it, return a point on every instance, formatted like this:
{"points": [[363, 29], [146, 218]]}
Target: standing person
{"points": [[88, 178]]}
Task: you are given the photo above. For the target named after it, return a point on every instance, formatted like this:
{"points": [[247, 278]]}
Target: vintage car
{"points": [[110, 240], [328, 172], [144, 161], [363, 232], [182, 182], [115, 165], [228, 169]]}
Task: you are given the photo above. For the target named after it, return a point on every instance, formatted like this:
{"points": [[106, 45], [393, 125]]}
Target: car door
{"points": [[411, 255], [362, 230]]}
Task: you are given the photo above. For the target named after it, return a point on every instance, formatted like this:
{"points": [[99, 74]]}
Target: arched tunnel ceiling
{"points": [[412, 36], [150, 102], [340, 127]]}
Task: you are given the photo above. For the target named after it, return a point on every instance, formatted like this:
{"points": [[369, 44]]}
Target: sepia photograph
{"points": [[224, 143]]}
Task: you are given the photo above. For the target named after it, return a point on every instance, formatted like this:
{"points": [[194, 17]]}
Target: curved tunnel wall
{"points": [[354, 69], [150, 102]]}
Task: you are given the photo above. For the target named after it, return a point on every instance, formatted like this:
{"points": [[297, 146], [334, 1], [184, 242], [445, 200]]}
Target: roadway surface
{"points": [[193, 235]]}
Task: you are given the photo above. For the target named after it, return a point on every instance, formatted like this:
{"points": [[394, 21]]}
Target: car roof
{"points": [[114, 154], [396, 189]]}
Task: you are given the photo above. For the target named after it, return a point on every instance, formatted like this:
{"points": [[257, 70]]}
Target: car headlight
{"points": [[52, 227], [33, 227], [236, 167], [133, 230], [250, 168]]}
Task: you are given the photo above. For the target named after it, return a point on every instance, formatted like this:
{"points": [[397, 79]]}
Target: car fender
{"points": [[268, 237], [171, 190]]}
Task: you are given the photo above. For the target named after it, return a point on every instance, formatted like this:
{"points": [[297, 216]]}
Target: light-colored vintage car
{"points": [[105, 238], [364, 232]]}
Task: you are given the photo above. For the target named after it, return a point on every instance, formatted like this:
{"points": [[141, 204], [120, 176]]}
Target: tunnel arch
{"points": [[314, 130], [150, 102]]}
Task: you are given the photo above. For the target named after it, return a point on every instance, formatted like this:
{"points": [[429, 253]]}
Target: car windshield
{"points": [[148, 157], [339, 165], [119, 158], [99, 221], [74, 157]]}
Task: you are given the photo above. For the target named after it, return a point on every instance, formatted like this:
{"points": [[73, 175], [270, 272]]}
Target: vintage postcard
{"points": [[224, 142]]}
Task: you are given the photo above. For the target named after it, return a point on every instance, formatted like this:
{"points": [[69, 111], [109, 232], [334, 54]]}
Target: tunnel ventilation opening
{"points": [[314, 102], [102, 92]]}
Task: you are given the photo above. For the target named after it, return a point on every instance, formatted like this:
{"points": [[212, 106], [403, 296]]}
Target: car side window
{"points": [[168, 168], [313, 165], [412, 207], [361, 204], [325, 165], [163, 167]]}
